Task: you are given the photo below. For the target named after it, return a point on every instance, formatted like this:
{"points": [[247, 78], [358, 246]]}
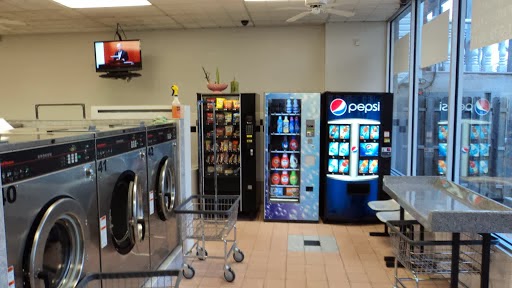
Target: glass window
{"points": [[433, 73], [486, 144], [400, 29]]}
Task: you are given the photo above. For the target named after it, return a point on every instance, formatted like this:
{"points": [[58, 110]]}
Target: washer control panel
{"points": [[111, 146], [162, 135], [30, 163]]}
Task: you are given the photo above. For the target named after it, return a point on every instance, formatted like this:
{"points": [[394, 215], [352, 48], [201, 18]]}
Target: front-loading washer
{"points": [[50, 205], [122, 198], [163, 175], [122, 193]]}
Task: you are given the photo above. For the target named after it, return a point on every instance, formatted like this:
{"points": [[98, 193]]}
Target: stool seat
{"points": [[384, 205], [386, 216]]}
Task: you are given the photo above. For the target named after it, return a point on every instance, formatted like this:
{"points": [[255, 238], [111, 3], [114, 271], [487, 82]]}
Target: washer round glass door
{"points": [[166, 190], [55, 257], [126, 213]]}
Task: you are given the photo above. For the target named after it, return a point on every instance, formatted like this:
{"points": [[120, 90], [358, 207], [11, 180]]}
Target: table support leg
{"points": [[454, 279], [486, 260]]}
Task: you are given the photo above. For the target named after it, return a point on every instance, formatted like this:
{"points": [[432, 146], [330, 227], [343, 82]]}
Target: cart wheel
{"points": [[189, 272], [201, 254], [229, 275], [238, 256]]}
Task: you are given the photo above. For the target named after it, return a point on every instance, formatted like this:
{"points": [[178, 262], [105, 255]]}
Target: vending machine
{"points": [[227, 147], [292, 156], [356, 153]]}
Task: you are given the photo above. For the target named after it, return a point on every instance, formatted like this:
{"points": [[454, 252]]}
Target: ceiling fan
{"points": [[316, 7], [5, 22]]}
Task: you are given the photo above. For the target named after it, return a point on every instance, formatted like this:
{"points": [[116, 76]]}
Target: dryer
{"points": [[50, 205], [163, 176]]}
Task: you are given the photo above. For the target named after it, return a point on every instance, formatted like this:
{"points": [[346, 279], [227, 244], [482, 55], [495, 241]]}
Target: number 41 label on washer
{"points": [[10, 277], [103, 231], [151, 202]]}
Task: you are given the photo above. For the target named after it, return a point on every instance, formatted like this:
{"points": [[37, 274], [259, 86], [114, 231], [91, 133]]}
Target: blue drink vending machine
{"points": [[356, 153], [292, 156]]}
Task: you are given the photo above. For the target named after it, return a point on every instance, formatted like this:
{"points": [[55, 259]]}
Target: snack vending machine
{"points": [[356, 153], [227, 147], [292, 162]]}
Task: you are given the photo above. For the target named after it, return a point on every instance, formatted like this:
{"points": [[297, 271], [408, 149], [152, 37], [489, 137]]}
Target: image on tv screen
{"points": [[369, 149], [118, 55]]}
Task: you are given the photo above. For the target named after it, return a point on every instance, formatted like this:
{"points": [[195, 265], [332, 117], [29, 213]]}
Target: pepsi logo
{"points": [[465, 149], [338, 107], [482, 106], [354, 149]]}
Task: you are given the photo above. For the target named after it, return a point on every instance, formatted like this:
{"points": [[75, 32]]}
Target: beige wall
{"points": [[59, 68], [355, 68]]}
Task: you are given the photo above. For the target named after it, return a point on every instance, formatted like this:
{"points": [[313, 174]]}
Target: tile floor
{"points": [[276, 257]]}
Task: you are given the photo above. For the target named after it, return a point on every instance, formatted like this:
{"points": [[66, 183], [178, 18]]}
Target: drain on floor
{"points": [[311, 243]]}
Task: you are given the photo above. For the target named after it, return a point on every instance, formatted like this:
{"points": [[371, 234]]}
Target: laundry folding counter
{"points": [[442, 207]]}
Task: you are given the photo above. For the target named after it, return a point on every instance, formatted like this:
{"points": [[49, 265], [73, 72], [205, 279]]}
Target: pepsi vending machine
{"points": [[356, 153], [292, 157]]}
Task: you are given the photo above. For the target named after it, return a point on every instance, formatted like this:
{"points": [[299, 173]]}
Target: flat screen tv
{"points": [[118, 56]]}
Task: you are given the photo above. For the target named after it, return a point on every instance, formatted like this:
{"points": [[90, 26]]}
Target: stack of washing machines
{"points": [[88, 199]]}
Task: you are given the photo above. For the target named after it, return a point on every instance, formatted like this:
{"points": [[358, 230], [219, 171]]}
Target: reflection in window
{"points": [[486, 142], [401, 28], [433, 88]]}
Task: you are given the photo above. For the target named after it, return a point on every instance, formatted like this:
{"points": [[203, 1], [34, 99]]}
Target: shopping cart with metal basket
{"points": [[149, 279], [427, 255], [205, 218]]}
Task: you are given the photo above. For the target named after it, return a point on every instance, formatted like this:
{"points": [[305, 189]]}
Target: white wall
{"points": [[355, 68]]}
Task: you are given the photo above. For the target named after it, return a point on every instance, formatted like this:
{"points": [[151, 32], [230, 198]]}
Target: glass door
{"points": [[284, 150], [221, 144]]}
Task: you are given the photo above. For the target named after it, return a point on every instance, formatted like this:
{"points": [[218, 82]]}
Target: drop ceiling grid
{"points": [[46, 16]]}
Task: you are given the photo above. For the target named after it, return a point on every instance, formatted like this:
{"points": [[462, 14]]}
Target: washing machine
{"points": [[50, 205], [123, 204], [122, 198], [163, 181]]}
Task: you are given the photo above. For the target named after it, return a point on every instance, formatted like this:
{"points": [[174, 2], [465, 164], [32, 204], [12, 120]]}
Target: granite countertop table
{"points": [[442, 206]]}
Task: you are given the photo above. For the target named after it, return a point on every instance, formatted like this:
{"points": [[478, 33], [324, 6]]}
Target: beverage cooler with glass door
{"points": [[292, 150], [356, 153], [227, 147]]}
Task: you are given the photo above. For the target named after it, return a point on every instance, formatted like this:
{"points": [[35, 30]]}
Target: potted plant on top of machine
{"points": [[215, 87]]}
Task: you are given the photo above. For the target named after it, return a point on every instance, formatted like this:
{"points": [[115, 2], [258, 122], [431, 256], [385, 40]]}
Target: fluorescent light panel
{"points": [[102, 3]]}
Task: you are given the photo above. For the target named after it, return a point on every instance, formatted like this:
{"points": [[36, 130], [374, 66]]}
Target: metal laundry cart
{"points": [[205, 218]]}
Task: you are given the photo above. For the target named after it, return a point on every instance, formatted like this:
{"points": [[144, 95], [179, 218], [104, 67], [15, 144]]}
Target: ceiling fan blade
{"points": [[11, 22], [293, 8], [330, 5], [297, 17], [343, 13]]}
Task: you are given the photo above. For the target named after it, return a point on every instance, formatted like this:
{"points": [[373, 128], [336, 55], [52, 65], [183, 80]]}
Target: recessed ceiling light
{"points": [[102, 3]]}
